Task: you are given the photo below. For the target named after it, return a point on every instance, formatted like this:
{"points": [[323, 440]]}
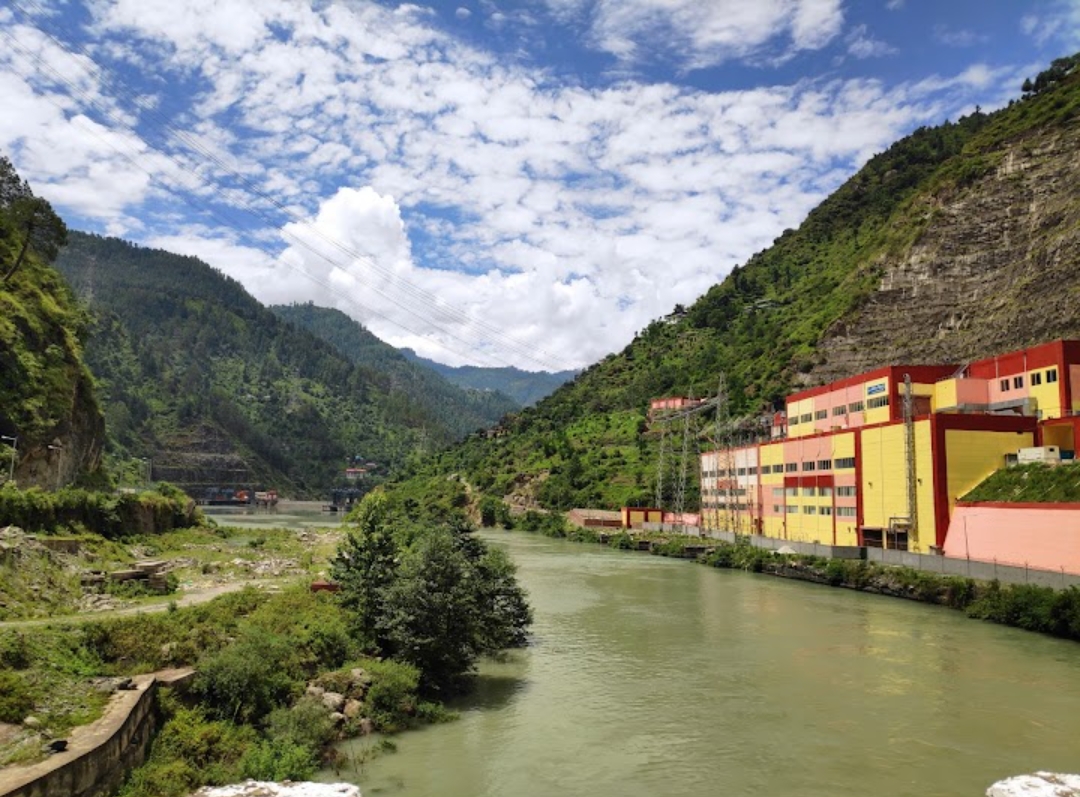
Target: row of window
{"points": [[791, 492], [840, 463], [855, 406], [1036, 380]]}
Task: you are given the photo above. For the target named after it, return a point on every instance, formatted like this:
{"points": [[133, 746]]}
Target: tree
{"points": [[365, 565], [41, 230], [435, 597]]}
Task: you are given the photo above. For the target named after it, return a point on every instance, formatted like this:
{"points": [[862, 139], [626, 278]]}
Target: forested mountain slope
{"points": [[525, 387], [215, 389], [47, 400], [459, 409], [957, 242]]}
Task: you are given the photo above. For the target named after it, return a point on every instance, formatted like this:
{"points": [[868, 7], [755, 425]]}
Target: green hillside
{"points": [[46, 393], [458, 409], [765, 326], [215, 389], [525, 387]]}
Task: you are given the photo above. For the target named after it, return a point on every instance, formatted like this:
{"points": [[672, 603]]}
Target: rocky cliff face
{"points": [[996, 267]]}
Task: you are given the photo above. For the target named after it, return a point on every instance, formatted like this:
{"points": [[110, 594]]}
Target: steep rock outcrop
{"points": [[994, 269]]}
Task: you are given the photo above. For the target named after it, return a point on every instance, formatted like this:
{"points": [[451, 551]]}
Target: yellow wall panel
{"points": [[843, 445], [944, 395], [971, 456], [884, 480]]}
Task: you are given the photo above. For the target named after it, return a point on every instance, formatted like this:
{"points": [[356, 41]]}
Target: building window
{"points": [[824, 464], [806, 417], [809, 466], [845, 462], [791, 510], [1051, 375], [841, 410], [810, 510], [847, 492], [778, 468], [742, 471], [751, 471], [1036, 378], [793, 421], [825, 510], [824, 492], [1018, 382], [791, 492], [778, 492], [845, 511], [791, 467], [1004, 385], [821, 415], [808, 492], [855, 406], [878, 401], [777, 509]]}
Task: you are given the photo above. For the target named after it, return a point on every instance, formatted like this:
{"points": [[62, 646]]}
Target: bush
{"points": [[16, 698], [391, 699], [245, 681]]}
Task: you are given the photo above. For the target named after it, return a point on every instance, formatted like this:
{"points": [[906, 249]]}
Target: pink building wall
{"points": [[1043, 536]]}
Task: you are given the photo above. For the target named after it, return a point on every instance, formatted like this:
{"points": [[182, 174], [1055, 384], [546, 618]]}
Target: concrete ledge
{"points": [[99, 755]]}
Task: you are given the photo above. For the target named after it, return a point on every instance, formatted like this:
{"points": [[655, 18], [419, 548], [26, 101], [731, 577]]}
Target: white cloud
{"points": [[498, 212], [462, 13], [1058, 20], [862, 45], [702, 34]]}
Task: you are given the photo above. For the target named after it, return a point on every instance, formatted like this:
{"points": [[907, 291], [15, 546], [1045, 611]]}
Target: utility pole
{"points": [[909, 455], [57, 447]]}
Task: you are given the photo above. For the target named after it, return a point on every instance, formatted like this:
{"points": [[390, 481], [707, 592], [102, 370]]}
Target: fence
{"points": [[932, 563]]}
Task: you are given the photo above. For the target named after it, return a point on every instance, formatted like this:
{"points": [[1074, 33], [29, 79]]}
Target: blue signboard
{"points": [[873, 390]]}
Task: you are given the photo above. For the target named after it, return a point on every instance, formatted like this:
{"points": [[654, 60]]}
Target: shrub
{"points": [[391, 699], [16, 698], [244, 682]]}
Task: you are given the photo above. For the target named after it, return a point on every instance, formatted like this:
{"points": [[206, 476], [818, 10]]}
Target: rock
{"points": [[333, 701], [367, 726], [353, 708], [1040, 784], [315, 691], [57, 745], [33, 723], [337, 718], [253, 788]]}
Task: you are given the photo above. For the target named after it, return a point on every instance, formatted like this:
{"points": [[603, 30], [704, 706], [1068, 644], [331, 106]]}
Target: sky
{"points": [[494, 182]]}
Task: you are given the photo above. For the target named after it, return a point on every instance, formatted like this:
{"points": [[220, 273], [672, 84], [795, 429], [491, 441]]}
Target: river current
{"points": [[649, 676]]}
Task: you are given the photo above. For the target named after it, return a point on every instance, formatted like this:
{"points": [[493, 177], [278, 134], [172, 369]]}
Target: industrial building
{"points": [[881, 459]]}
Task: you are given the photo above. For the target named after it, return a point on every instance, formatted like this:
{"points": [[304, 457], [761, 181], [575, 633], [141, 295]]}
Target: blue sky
{"points": [[524, 182]]}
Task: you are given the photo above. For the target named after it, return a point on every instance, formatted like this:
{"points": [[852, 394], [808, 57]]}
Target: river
{"points": [[650, 676]]}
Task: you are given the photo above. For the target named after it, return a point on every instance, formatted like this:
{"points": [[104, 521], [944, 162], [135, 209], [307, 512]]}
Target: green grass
{"points": [[1035, 483]]}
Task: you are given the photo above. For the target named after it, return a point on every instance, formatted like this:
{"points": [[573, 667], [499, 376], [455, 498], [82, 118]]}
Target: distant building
{"points": [[853, 465]]}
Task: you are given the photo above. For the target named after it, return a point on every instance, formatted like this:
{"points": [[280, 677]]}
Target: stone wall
{"points": [[99, 755]]}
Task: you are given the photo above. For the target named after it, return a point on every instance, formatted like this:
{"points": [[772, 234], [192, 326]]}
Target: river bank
{"points": [[1028, 607]]}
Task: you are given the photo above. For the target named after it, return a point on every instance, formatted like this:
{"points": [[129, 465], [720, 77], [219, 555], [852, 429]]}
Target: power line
{"points": [[417, 301]]}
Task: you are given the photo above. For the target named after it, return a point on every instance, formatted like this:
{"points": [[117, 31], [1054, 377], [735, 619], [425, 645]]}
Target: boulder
{"points": [[333, 701], [1039, 784], [353, 708]]}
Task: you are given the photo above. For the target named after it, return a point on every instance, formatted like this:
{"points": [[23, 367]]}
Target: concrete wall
{"points": [[1046, 537], [99, 755], [942, 565]]}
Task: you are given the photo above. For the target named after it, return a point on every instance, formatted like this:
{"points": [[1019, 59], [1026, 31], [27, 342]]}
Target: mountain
{"points": [[459, 409], [525, 387], [48, 406], [212, 387], [958, 242]]}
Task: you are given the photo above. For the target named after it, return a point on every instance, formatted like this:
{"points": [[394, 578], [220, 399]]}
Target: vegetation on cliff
{"points": [[46, 392], [764, 327]]}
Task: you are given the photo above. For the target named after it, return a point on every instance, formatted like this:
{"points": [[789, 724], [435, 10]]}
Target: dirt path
{"points": [[189, 597]]}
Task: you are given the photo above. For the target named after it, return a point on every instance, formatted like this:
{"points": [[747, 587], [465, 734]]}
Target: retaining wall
{"points": [[943, 565], [101, 754]]}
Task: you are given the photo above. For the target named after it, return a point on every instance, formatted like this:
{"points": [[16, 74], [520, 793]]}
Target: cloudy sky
{"points": [[524, 182]]}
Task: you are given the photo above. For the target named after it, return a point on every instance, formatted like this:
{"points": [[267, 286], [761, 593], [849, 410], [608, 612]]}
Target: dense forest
{"points": [[458, 409], [213, 388], [592, 444]]}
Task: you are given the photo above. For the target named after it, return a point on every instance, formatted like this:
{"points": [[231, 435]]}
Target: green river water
{"points": [[650, 676]]}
